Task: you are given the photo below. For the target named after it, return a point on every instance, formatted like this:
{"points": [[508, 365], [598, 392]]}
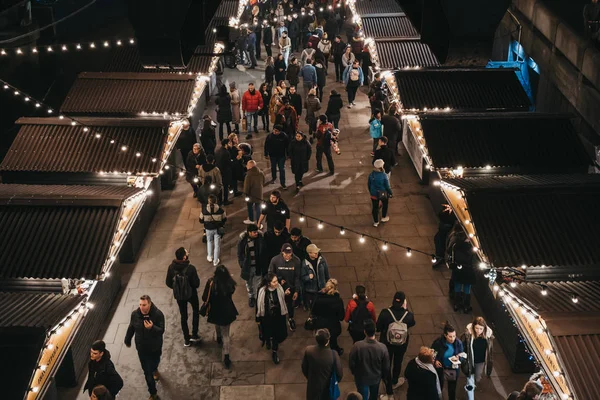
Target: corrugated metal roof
{"points": [[75, 195], [378, 7], [389, 27], [518, 182], [227, 9], [210, 36], [557, 301], [33, 310], [528, 141], [580, 355], [395, 54], [128, 94], [127, 59], [54, 145], [482, 89]]}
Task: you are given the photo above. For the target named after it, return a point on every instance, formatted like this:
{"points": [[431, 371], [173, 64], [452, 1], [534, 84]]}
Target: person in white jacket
{"points": [[348, 57], [325, 46]]}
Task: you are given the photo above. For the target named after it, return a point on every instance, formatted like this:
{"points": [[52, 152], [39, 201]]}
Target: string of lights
{"points": [[65, 47]]}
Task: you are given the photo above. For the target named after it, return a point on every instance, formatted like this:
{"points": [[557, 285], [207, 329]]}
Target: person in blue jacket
{"points": [[375, 129], [353, 79], [450, 353], [380, 191]]}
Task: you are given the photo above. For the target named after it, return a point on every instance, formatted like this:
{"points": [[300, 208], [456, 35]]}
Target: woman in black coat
{"points": [[334, 106], [224, 115], [218, 292], [422, 378], [208, 138], [280, 68], [271, 314], [463, 274], [264, 112], [269, 73], [300, 152], [328, 311]]}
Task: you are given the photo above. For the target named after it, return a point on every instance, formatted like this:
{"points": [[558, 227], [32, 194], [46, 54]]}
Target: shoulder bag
{"points": [[204, 310], [334, 389]]}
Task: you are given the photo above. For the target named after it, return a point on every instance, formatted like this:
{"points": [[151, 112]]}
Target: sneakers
{"points": [[187, 343], [385, 219], [156, 376], [251, 302], [248, 222], [275, 358], [209, 258], [353, 103], [292, 324], [227, 361], [216, 262], [318, 170], [400, 382], [375, 224], [195, 338], [350, 105]]}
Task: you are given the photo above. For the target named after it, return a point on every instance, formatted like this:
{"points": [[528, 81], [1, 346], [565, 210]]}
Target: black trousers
{"points": [[451, 388], [335, 120], [268, 50], [265, 121], [327, 152], [396, 355], [351, 93], [375, 208], [290, 305], [228, 125], [298, 177], [320, 92], [339, 68], [226, 186], [183, 310], [149, 361]]}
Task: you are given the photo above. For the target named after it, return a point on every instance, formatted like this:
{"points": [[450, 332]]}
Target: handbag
{"points": [[334, 389], [221, 231], [206, 305], [382, 194], [451, 375]]}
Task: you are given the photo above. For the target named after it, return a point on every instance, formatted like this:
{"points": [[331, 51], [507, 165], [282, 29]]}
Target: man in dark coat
{"points": [[102, 370], [147, 323], [318, 364], [275, 239], [267, 38], [194, 160], [287, 268], [386, 154], [334, 107], [290, 124], [323, 136], [276, 146], [338, 47], [299, 243], [295, 101], [299, 152], [275, 210], [225, 165], [186, 139], [181, 266], [422, 381], [392, 129], [252, 260]]}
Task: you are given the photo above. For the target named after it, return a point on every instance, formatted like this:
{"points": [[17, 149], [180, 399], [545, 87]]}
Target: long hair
{"points": [[481, 322], [223, 282], [330, 287], [266, 280]]}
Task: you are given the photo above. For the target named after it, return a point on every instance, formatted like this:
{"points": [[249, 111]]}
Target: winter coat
{"points": [[353, 305], [378, 182], [266, 97], [314, 40], [178, 267], [308, 73], [272, 326], [212, 171], [357, 44], [296, 102], [292, 74], [468, 338], [439, 345], [313, 105], [253, 184], [243, 255], [222, 310], [186, 140], [276, 146], [320, 276], [280, 69], [273, 107], [334, 106], [422, 383], [212, 217], [385, 319], [323, 135], [317, 366], [325, 46], [235, 107], [190, 164], [321, 74], [463, 259], [273, 243], [267, 35], [369, 362], [252, 101], [348, 59], [224, 113], [331, 27], [387, 155], [299, 152], [288, 271], [294, 29], [103, 372], [328, 311], [269, 75], [204, 191], [224, 162], [208, 140], [146, 340], [375, 129], [338, 49], [349, 82], [299, 247], [290, 124], [392, 127], [276, 212]]}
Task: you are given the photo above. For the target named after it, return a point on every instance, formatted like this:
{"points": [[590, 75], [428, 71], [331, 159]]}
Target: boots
{"points": [[458, 300], [275, 357], [467, 303], [451, 289], [227, 361]]}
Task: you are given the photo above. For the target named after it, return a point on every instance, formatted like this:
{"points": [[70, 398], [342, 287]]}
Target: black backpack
{"points": [[182, 290], [358, 317]]}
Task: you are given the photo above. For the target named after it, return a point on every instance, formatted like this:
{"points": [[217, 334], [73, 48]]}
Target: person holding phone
{"points": [[450, 354]]}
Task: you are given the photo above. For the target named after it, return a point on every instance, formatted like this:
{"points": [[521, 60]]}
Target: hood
{"points": [[216, 207], [208, 167], [325, 41], [335, 95], [244, 234], [179, 265], [488, 332]]}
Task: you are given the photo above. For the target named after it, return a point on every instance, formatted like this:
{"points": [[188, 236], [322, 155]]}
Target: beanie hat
{"points": [[379, 164]]}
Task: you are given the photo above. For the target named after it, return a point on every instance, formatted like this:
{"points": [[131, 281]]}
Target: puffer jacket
{"points": [[252, 101], [320, 276], [468, 338], [312, 105], [379, 182], [213, 217], [150, 340], [375, 128], [334, 106], [292, 74], [325, 46], [103, 372]]}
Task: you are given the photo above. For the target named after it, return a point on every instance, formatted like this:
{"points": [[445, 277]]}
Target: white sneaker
{"points": [[385, 219], [401, 381], [376, 224], [217, 261], [248, 222], [209, 258]]}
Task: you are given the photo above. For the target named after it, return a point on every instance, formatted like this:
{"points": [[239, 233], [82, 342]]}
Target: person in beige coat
{"points": [[253, 190], [235, 105]]}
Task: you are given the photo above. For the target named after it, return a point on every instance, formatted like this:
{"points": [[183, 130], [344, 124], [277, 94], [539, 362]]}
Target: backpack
{"points": [[182, 290], [354, 74], [358, 317], [397, 333]]}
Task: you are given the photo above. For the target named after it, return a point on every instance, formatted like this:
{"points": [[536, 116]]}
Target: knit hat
{"points": [[379, 164], [252, 228], [312, 248]]}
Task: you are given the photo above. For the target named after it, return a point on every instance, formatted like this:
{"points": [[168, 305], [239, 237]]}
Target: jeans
{"points": [[150, 361], [286, 55], [223, 333], [462, 287], [227, 184], [228, 125], [213, 240], [252, 53], [183, 310], [253, 211], [253, 284], [440, 239], [327, 152], [351, 93], [473, 380], [251, 117], [275, 163], [368, 392], [339, 68], [396, 355], [265, 121], [375, 208]]}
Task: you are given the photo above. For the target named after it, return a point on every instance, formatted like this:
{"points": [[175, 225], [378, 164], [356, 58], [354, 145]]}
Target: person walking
{"points": [[394, 324], [307, 54], [422, 378], [285, 46], [269, 75], [375, 129], [275, 239], [208, 138], [313, 105], [328, 312], [253, 186], [251, 46], [186, 139], [224, 113], [450, 354], [147, 323], [321, 69], [463, 274], [280, 68], [308, 73], [478, 341], [325, 47], [338, 47], [276, 147], [218, 295], [299, 152], [380, 192], [293, 70], [347, 59], [290, 122], [267, 38], [252, 261], [252, 102], [275, 210], [210, 169], [334, 108], [353, 79], [319, 362], [213, 218], [386, 154], [225, 164], [271, 312], [193, 162], [392, 128], [264, 112], [314, 274], [299, 243], [235, 105], [296, 102], [287, 268], [358, 310], [369, 363], [101, 370], [182, 277], [324, 137]]}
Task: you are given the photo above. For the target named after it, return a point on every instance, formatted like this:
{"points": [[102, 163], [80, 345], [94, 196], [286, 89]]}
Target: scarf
{"points": [[260, 312], [430, 368]]}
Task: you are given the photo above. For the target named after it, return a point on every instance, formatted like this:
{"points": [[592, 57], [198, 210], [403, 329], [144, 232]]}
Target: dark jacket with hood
{"points": [[328, 311], [292, 73], [224, 163], [212, 171], [223, 103], [334, 106], [178, 267], [300, 246], [191, 161], [103, 372], [300, 152], [439, 345], [269, 78], [463, 259], [273, 243], [208, 140], [243, 255], [387, 155], [204, 191], [296, 102], [392, 127], [337, 49], [321, 73], [276, 146], [186, 140], [146, 340], [385, 319], [222, 310]]}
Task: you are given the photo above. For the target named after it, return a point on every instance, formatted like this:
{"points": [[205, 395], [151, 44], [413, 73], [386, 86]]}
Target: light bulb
{"points": [[482, 265], [385, 246], [212, 186], [167, 166], [92, 45], [181, 173], [496, 287], [544, 291], [85, 129], [35, 389], [433, 259], [539, 331], [64, 48], [154, 160], [513, 284], [50, 346], [342, 231], [548, 352], [574, 298], [263, 205], [320, 225], [78, 47], [556, 374], [282, 211], [43, 367], [123, 148], [362, 239], [301, 218], [408, 252]]}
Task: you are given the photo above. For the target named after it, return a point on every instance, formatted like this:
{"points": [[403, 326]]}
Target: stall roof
{"points": [[54, 145], [549, 221], [526, 141], [227, 9], [210, 36], [379, 7], [389, 27], [128, 94], [35, 310], [54, 232], [467, 90], [395, 54], [127, 59]]}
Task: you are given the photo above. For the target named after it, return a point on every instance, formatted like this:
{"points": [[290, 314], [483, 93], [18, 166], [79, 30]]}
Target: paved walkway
{"points": [[197, 373]]}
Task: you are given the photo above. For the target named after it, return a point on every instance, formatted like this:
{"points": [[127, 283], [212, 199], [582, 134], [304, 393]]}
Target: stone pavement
{"points": [[196, 372]]}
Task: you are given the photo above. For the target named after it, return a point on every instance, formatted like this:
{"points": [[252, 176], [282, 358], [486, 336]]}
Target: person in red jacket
{"points": [[357, 319], [252, 102]]}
